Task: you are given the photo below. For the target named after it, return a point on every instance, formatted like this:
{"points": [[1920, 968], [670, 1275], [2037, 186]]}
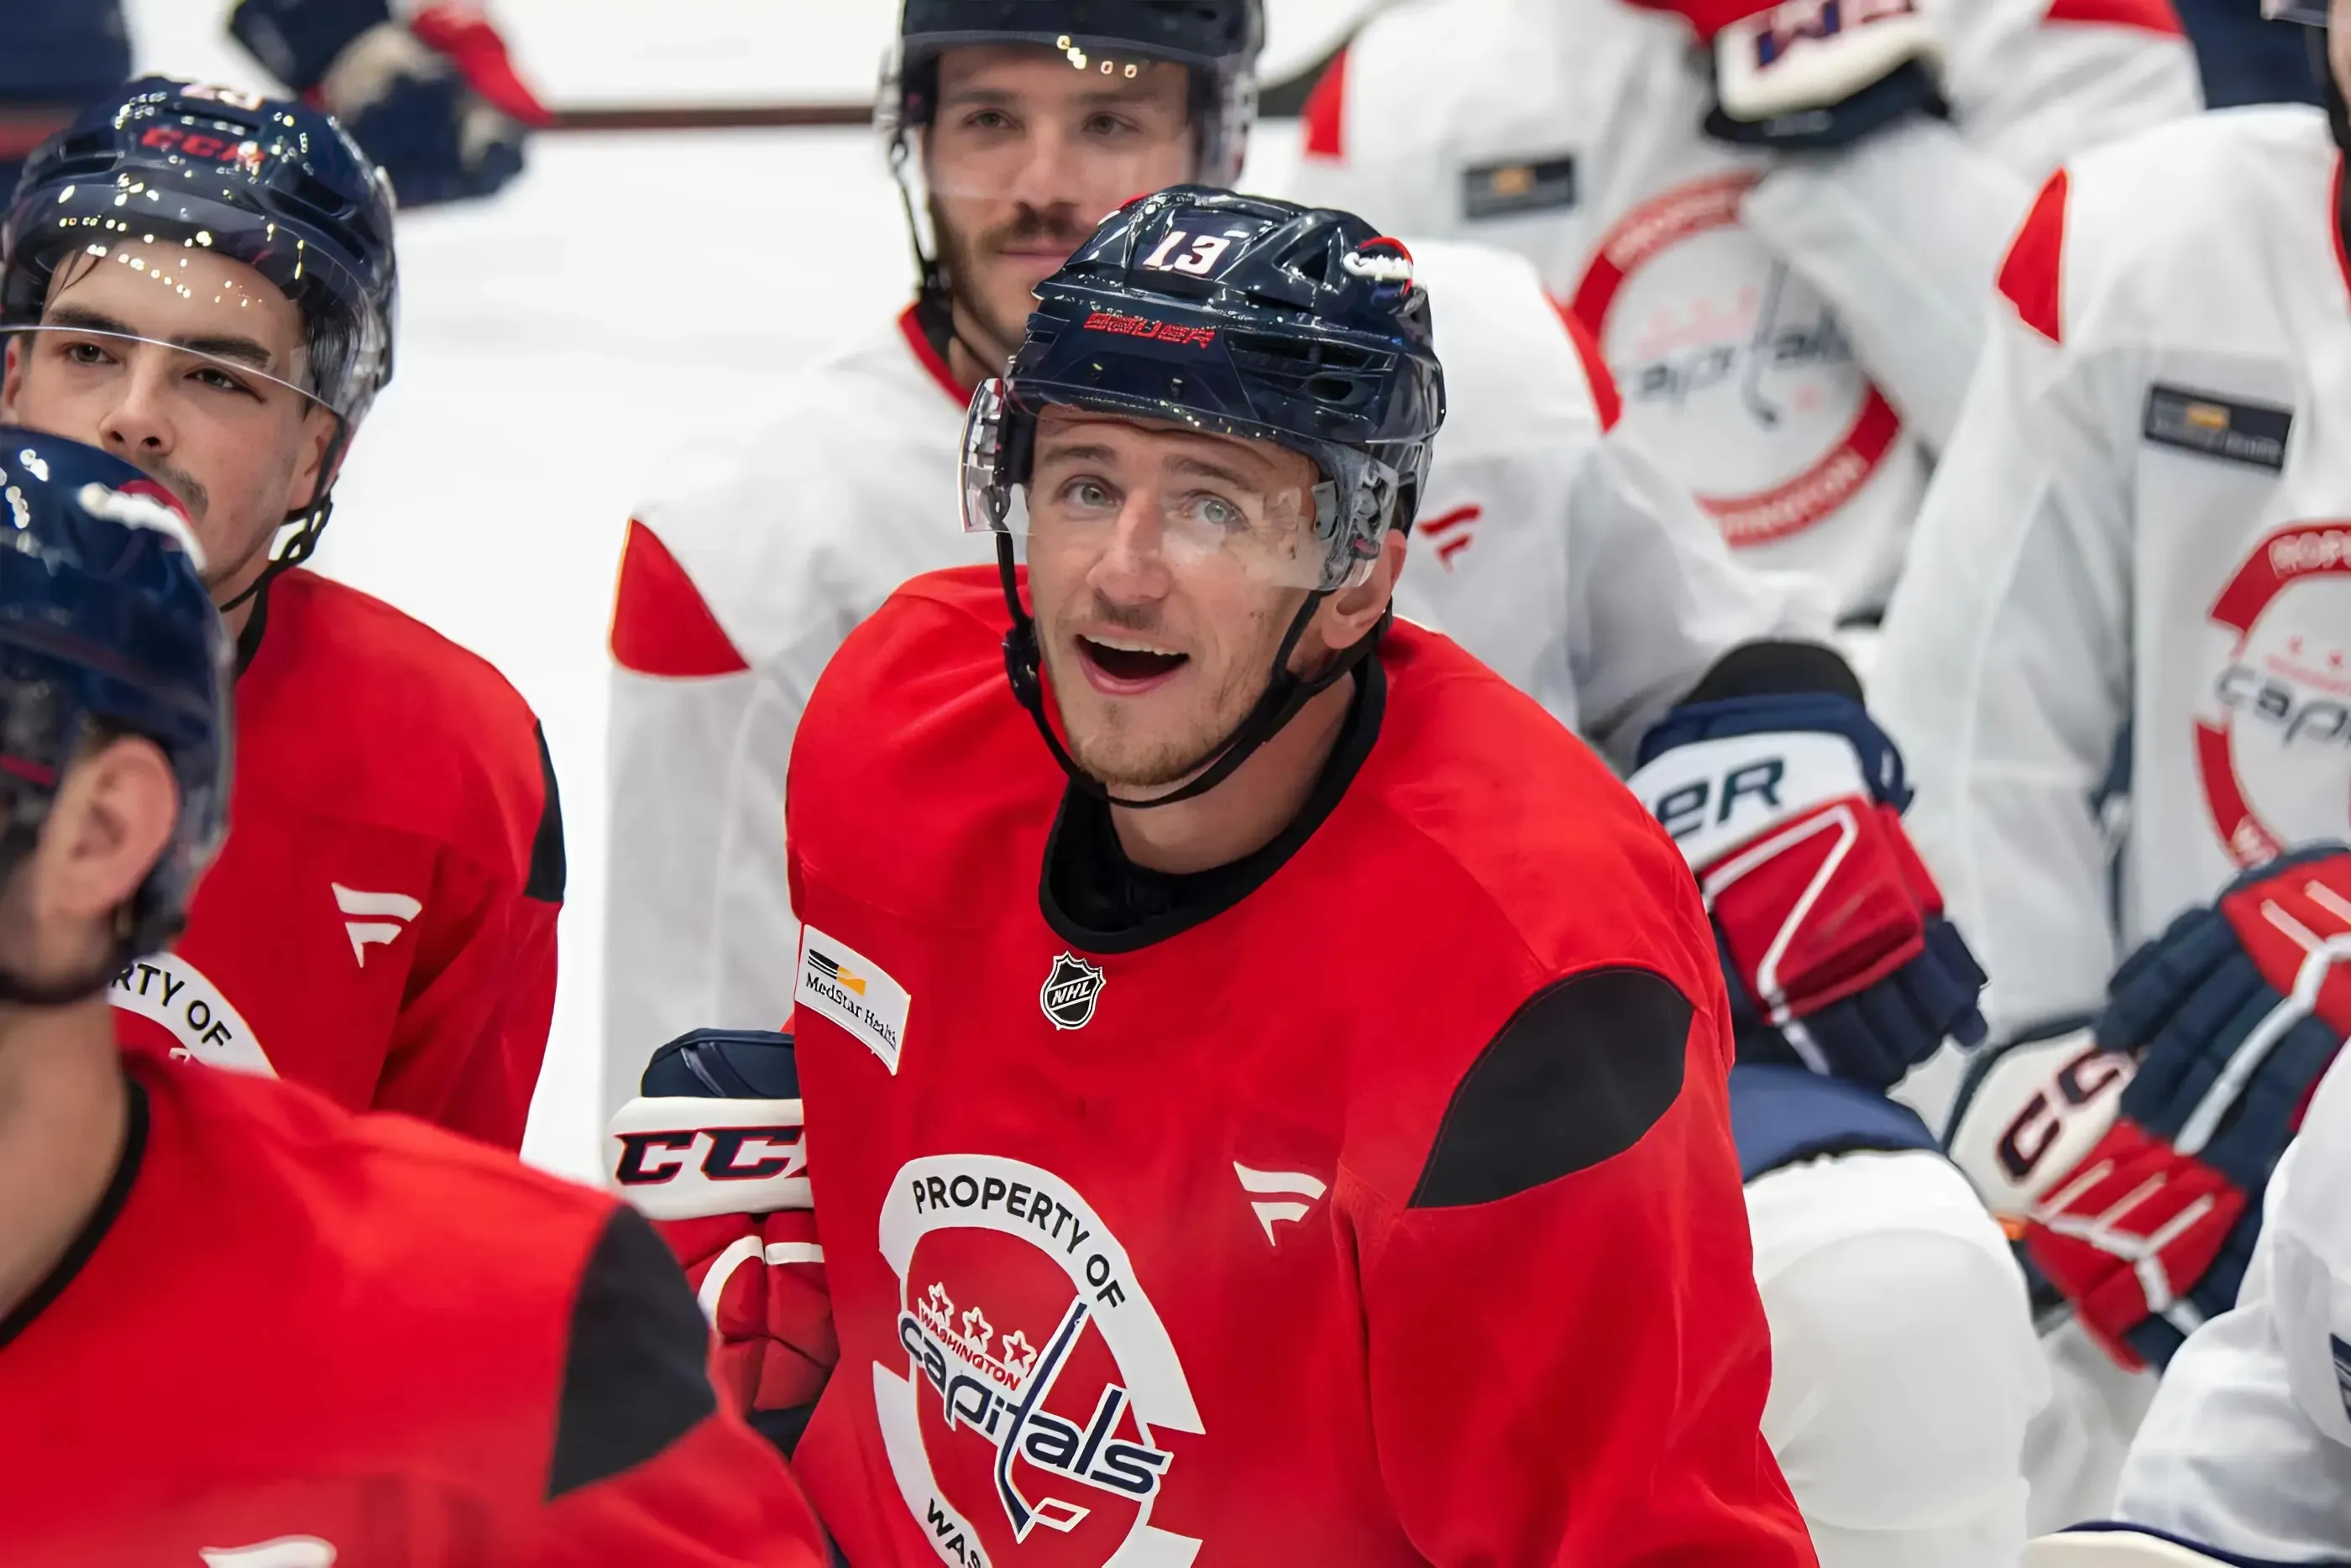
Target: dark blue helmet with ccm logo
{"points": [[1250, 317], [1257, 319]]}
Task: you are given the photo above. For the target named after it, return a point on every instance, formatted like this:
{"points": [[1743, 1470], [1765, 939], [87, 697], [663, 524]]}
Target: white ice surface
{"points": [[630, 296]]}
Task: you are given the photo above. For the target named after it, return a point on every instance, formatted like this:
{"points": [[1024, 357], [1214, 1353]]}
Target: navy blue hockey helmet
{"points": [[1217, 41], [164, 172], [270, 182], [1248, 317], [106, 627], [1255, 319]]}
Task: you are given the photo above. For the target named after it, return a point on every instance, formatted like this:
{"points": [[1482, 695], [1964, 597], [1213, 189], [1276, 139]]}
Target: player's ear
{"points": [[1348, 615], [113, 817], [319, 463], [11, 379]]}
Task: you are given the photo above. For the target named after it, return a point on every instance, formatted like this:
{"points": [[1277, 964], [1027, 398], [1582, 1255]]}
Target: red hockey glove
{"points": [[712, 1152], [2237, 1010], [1833, 943], [434, 99]]}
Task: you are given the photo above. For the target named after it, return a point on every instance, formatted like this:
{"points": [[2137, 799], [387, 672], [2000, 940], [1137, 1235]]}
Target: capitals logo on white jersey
{"points": [[1035, 1376], [2274, 729]]}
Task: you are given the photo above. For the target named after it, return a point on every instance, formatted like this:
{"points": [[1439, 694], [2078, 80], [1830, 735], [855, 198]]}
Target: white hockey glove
{"points": [[712, 1152], [2030, 1113], [1824, 73]]}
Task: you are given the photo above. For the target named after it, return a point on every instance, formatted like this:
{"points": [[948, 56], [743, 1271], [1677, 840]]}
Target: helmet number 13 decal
{"points": [[1200, 259]]}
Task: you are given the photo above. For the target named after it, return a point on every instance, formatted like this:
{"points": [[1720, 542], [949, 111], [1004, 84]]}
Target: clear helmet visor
{"points": [[1199, 506], [198, 351]]}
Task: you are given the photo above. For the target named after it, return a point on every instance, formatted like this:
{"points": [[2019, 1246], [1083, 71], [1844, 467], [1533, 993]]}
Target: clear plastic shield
{"points": [[1195, 506], [196, 365]]}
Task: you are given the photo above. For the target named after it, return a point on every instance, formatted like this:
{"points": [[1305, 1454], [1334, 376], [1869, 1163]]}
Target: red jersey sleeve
{"points": [[1579, 1222], [472, 1031], [650, 1468]]}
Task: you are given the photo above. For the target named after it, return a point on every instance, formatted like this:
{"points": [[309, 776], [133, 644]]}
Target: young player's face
{"points": [[1165, 566], [186, 364], [1026, 153]]}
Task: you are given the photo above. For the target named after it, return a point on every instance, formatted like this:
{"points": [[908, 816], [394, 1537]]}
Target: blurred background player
{"points": [[382, 927], [430, 93], [2118, 674], [1777, 223], [350, 1341], [1385, 1368]]}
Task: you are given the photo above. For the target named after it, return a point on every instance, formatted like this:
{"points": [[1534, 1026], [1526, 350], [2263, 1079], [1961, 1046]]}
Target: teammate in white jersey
{"points": [[1780, 233], [1561, 557], [2130, 588]]}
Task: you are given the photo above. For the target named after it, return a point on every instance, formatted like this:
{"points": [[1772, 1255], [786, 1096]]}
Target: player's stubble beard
{"points": [[1000, 324], [1111, 746]]}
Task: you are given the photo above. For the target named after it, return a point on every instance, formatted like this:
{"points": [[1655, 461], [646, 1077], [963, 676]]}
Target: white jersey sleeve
{"points": [[1903, 232], [1904, 1370], [1549, 543], [2247, 1448], [733, 597], [2004, 675]]}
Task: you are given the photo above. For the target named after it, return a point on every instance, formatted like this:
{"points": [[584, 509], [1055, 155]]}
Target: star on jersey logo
{"points": [[1068, 991]]}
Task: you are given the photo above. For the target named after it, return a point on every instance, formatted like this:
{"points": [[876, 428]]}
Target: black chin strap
{"points": [[1285, 694]]}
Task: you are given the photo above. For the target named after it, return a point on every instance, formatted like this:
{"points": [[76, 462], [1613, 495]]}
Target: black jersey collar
{"points": [[85, 1243], [1087, 878]]}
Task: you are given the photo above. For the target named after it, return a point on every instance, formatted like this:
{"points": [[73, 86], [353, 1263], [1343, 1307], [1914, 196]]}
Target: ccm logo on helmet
{"points": [[736, 1154], [200, 144]]}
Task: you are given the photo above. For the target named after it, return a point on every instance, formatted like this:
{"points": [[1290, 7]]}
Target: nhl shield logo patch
{"points": [[1068, 992]]}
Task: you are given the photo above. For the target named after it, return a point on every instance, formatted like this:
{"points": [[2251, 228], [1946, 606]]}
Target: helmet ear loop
{"points": [[309, 522]]}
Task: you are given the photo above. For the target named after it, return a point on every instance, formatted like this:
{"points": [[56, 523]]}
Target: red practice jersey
{"points": [[380, 925], [295, 1338], [1382, 1210]]}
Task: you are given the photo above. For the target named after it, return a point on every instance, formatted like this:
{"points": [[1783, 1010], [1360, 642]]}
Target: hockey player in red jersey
{"points": [[383, 926], [1183, 1212], [238, 1326]]}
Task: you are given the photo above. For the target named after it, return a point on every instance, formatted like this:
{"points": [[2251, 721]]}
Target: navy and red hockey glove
{"points": [[711, 1152], [2235, 1013], [432, 96], [1833, 944], [1808, 74]]}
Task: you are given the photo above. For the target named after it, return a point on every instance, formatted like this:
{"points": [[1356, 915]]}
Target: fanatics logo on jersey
{"points": [[1523, 185], [1285, 1195], [2213, 426], [1068, 992], [854, 992], [383, 917]]}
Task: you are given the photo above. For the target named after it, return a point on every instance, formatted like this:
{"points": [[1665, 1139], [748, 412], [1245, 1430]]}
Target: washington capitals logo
{"points": [[1068, 992], [996, 1384]]}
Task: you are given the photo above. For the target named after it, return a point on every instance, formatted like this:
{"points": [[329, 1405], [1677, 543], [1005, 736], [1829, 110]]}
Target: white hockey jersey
{"points": [[1566, 561], [2248, 1446], [2134, 568], [1792, 332]]}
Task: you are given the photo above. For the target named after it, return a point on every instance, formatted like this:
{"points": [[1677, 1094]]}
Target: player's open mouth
{"points": [[1123, 667]]}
